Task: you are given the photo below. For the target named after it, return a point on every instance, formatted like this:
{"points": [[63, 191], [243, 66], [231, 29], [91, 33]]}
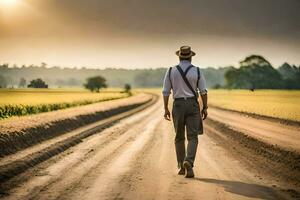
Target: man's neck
{"points": [[184, 62]]}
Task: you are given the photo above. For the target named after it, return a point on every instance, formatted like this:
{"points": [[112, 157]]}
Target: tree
{"points": [[255, 60], [22, 82], [95, 83], [287, 71], [37, 83], [255, 72], [127, 88], [291, 76]]}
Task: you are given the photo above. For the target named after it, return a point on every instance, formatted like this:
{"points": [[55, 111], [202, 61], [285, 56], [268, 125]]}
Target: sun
{"points": [[8, 3]]}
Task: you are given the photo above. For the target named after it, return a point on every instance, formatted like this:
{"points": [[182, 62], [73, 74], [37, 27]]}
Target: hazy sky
{"points": [[144, 33]]}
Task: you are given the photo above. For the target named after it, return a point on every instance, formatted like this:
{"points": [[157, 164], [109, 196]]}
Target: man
{"points": [[186, 81]]}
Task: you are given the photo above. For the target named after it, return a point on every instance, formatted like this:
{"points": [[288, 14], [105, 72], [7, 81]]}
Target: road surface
{"points": [[135, 159], [285, 136]]}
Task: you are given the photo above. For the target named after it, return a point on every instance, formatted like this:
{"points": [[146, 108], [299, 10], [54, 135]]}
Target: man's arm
{"points": [[166, 94], [167, 114], [203, 94]]}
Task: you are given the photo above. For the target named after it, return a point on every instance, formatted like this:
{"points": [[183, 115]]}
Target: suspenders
{"points": [[170, 69], [183, 75], [198, 74]]}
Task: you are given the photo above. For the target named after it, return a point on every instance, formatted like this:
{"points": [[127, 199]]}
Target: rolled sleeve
{"points": [[167, 85], [202, 85]]}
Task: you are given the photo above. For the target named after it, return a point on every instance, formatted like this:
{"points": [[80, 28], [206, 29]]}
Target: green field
{"points": [[17, 102], [283, 104]]}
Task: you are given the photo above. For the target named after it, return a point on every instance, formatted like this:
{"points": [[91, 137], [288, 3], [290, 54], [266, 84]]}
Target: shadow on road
{"points": [[244, 189]]}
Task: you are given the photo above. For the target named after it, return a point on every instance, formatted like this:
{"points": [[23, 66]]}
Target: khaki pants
{"points": [[186, 115]]}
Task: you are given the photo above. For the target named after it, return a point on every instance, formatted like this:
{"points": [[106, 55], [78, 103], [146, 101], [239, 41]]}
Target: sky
{"points": [[144, 34]]}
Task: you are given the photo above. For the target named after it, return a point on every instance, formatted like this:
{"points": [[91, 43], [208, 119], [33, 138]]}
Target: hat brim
{"points": [[185, 56]]}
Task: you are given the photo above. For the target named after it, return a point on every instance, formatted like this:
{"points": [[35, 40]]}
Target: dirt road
{"points": [[135, 159], [284, 136]]}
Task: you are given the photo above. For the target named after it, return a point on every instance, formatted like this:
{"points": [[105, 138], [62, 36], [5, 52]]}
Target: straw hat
{"points": [[185, 52]]}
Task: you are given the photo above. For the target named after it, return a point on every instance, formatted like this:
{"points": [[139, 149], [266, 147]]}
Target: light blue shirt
{"points": [[180, 89]]}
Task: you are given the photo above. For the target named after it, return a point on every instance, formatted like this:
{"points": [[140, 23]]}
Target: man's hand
{"points": [[167, 115], [204, 113]]}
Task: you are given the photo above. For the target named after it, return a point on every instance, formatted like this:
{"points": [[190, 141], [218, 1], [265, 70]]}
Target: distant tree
{"points": [[4, 66], [235, 78], [255, 72], [95, 83], [255, 60], [287, 71], [127, 88], [291, 76], [22, 82], [37, 83], [3, 82]]}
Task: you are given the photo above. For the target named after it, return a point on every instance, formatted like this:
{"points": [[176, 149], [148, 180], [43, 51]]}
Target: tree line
{"points": [[55, 77], [254, 72]]}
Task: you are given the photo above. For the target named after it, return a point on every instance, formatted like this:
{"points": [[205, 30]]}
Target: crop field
{"points": [[281, 104], [17, 102]]}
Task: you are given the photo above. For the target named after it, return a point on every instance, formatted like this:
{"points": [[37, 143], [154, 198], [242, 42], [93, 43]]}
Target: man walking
{"points": [[186, 82]]}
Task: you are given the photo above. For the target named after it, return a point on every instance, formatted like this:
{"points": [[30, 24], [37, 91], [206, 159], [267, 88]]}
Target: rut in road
{"points": [[135, 159]]}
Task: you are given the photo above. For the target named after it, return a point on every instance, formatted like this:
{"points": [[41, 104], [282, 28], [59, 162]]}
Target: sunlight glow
{"points": [[8, 3]]}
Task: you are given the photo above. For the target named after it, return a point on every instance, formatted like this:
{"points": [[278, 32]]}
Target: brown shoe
{"points": [[189, 170], [181, 171]]}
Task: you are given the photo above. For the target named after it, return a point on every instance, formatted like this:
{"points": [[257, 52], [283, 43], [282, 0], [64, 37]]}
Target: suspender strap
{"points": [[187, 69], [183, 75], [198, 78], [170, 69]]}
